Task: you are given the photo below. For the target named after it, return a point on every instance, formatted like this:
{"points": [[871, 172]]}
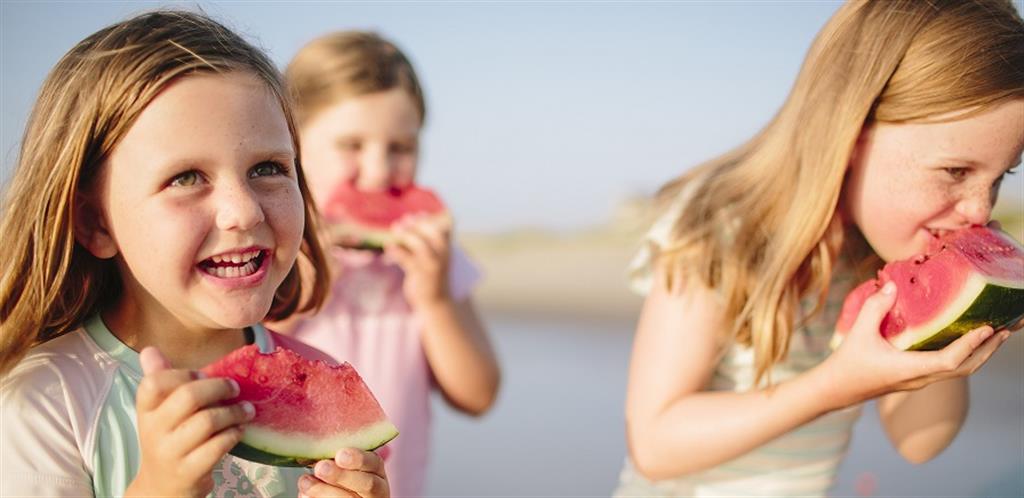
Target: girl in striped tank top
{"points": [[902, 123]]}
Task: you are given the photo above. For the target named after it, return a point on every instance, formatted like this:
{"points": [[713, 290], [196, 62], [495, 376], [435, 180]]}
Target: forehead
{"points": [[389, 111], [207, 113], [992, 137]]}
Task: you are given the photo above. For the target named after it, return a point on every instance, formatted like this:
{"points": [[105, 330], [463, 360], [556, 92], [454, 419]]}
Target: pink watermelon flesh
{"points": [[305, 410], [966, 279], [364, 219]]}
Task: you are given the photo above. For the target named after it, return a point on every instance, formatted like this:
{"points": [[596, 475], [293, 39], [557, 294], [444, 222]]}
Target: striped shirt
{"points": [[802, 462]]}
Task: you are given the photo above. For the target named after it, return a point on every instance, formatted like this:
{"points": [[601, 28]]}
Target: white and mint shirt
{"points": [[67, 422]]}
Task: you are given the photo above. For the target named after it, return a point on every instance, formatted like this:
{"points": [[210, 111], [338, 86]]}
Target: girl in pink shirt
{"points": [[404, 317]]}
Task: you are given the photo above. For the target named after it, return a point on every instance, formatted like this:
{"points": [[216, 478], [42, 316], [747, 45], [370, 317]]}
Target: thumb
{"points": [[153, 360], [875, 308]]}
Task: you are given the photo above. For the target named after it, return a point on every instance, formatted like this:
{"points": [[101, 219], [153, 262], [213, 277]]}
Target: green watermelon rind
{"points": [[367, 238], [265, 448], [982, 301]]}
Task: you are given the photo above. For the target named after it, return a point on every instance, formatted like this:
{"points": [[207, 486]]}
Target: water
{"points": [[557, 429]]}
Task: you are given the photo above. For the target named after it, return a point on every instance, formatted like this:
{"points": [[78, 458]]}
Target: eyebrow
{"points": [[972, 163], [190, 163]]}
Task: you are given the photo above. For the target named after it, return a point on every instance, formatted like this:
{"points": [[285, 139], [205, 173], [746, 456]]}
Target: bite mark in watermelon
{"points": [[966, 279], [305, 410], [363, 220]]}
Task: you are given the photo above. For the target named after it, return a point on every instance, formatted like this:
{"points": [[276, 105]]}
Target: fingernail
{"points": [[345, 457], [235, 388], [200, 375], [324, 470], [1005, 334], [305, 482], [250, 410], [888, 288]]}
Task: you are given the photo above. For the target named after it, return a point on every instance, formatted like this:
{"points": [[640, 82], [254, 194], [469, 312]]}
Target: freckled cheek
{"points": [[165, 240], [285, 213]]}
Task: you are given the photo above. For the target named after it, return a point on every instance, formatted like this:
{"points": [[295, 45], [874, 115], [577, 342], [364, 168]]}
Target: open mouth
{"points": [[235, 265]]}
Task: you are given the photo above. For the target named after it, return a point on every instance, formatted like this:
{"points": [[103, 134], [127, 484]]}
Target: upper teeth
{"points": [[237, 258]]}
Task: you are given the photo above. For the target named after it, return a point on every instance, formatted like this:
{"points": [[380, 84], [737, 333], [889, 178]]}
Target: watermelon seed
{"points": [[913, 280]]}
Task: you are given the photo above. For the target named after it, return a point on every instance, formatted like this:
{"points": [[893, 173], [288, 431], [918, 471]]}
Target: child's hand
{"points": [[184, 431], [352, 473], [866, 365], [422, 248]]}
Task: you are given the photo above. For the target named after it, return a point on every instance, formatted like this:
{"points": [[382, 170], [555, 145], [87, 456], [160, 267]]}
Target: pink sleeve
{"points": [[305, 350], [463, 274]]}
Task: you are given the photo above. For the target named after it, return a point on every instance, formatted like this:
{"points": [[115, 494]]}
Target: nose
{"points": [[976, 206], [238, 208], [375, 170]]}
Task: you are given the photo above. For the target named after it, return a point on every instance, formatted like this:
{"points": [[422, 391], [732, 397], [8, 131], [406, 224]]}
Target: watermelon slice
{"points": [[966, 279], [305, 410], [362, 220]]}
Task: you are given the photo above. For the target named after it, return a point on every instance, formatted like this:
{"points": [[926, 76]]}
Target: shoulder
{"points": [[48, 407], [71, 362]]}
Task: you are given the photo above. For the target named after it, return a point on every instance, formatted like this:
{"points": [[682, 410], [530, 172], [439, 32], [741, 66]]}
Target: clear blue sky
{"points": [[540, 114]]}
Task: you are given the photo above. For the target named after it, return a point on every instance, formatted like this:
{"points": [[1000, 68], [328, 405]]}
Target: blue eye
{"points": [[268, 168], [186, 179]]}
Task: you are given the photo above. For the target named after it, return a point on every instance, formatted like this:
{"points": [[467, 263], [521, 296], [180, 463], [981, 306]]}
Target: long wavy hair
{"points": [[90, 99], [760, 223]]}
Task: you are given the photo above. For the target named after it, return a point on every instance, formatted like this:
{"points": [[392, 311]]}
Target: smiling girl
{"points": [[154, 219]]}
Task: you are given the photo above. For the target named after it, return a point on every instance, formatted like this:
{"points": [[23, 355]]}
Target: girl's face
{"points": [[200, 204], [371, 140], [908, 183]]}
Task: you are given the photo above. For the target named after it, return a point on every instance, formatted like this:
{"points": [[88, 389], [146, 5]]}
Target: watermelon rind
{"points": [[366, 238], [981, 302], [292, 450]]}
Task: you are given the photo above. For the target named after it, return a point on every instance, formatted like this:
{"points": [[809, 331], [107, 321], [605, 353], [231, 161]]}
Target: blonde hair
{"points": [[759, 224], [348, 64], [88, 102]]}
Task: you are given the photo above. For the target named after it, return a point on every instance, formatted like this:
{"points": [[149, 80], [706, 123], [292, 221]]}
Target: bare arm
{"points": [[920, 424], [668, 415], [460, 355], [454, 339]]}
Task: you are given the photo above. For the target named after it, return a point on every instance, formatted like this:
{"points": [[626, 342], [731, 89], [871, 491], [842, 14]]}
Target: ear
{"points": [[858, 147], [91, 230]]}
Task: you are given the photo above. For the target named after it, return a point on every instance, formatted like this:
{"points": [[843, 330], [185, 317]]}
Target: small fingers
{"points": [[157, 385], [152, 360], [417, 243], [311, 487], [195, 396], [201, 460], [875, 308], [202, 424], [982, 353], [364, 483], [953, 356], [365, 461]]}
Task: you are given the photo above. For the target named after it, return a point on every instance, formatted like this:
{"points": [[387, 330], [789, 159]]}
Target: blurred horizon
{"points": [[540, 115]]}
